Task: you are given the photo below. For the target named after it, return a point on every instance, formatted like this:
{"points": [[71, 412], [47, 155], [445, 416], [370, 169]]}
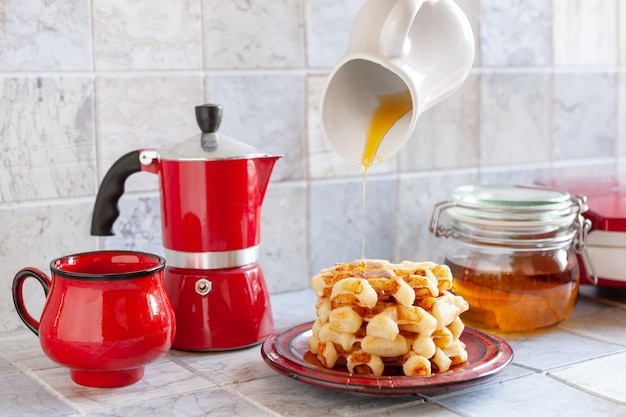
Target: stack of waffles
{"points": [[375, 318]]}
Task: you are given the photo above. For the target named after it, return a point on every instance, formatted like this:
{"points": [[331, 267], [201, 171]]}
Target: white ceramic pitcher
{"points": [[423, 46]]}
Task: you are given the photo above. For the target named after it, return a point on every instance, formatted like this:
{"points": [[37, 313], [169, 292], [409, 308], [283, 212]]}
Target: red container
{"points": [[606, 243]]}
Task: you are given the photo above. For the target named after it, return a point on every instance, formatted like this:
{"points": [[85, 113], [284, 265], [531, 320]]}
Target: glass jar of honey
{"points": [[514, 253]]}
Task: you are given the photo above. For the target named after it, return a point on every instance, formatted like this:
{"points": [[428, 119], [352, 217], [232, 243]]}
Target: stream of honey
{"points": [[390, 109]]}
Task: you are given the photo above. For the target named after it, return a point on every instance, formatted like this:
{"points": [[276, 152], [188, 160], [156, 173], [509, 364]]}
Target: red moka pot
{"points": [[212, 188]]}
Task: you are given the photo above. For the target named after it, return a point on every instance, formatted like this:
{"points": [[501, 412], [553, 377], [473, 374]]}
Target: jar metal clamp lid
{"points": [[522, 217]]}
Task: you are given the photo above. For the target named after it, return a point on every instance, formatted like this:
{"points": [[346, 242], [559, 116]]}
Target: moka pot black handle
{"points": [[105, 210]]}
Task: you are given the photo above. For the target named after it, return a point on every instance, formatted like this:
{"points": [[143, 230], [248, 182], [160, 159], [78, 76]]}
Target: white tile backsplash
{"points": [[138, 226], [48, 143], [417, 195], [621, 17], [145, 35], [515, 33], [266, 111], [336, 221], [83, 83], [584, 115], [515, 119], [45, 36], [329, 23], [253, 34], [586, 32], [447, 135], [284, 246]]}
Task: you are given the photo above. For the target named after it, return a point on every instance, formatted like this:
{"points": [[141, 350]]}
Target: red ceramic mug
{"points": [[106, 315]]}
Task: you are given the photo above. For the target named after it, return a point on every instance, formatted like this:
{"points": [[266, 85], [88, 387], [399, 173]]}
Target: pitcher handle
{"points": [[18, 296], [397, 26]]}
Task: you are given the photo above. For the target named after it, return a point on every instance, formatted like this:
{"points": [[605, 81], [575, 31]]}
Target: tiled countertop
{"points": [[577, 368]]}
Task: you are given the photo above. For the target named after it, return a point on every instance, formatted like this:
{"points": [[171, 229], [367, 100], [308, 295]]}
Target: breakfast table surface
{"points": [[576, 368]]}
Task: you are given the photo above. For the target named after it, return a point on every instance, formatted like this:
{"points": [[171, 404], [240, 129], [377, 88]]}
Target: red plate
{"points": [[288, 353]]}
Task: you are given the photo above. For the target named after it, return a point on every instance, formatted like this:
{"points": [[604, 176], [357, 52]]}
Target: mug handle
{"points": [[18, 297], [397, 26]]}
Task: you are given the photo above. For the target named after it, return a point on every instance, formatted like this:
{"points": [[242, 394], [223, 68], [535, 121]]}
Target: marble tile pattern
{"points": [[446, 136], [271, 122], [138, 226], [579, 129], [147, 36], [515, 117], [585, 32], [337, 226], [329, 24], [499, 175], [576, 368], [248, 35], [48, 144], [622, 32], [45, 36], [514, 33], [82, 83], [419, 193], [283, 239]]}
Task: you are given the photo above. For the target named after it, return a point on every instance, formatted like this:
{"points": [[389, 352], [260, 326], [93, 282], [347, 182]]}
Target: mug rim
{"points": [[108, 276]]}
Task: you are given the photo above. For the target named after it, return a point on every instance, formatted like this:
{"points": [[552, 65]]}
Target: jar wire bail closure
{"points": [[517, 216], [584, 226]]}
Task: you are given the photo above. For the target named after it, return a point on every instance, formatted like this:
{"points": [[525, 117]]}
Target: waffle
{"points": [[378, 318]]}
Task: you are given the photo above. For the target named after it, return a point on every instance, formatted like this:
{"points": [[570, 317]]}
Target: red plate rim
{"points": [[284, 352]]}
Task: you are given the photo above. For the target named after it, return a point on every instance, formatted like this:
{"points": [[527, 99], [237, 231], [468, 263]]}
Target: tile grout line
{"points": [[448, 408], [478, 387], [574, 363], [224, 386], [582, 388], [128, 402], [32, 375], [419, 400], [229, 388]]}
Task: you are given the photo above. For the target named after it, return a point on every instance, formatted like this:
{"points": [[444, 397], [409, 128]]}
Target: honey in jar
{"points": [[513, 254]]}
